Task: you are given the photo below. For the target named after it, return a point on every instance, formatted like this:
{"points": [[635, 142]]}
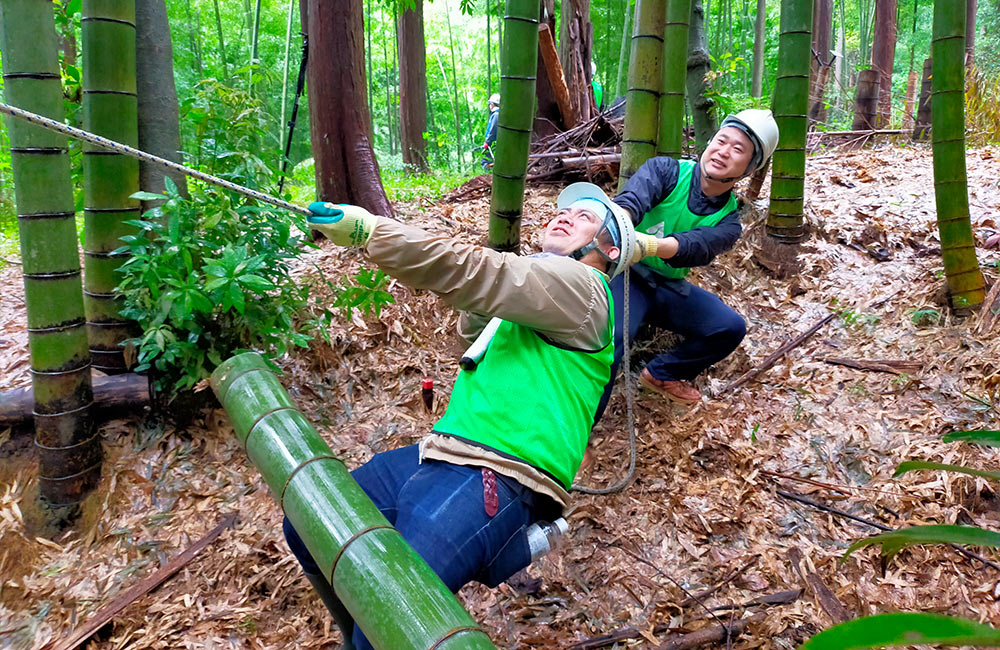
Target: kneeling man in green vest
{"points": [[505, 453], [691, 206]]}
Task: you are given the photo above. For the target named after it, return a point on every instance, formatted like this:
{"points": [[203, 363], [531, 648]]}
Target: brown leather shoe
{"points": [[680, 392]]}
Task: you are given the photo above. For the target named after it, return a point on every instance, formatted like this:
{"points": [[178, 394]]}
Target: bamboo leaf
{"points": [[981, 437], [911, 465], [903, 628], [894, 541]]}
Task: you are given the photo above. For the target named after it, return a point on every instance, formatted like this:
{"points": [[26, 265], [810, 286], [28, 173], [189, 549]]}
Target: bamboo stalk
{"points": [[966, 285], [791, 107], [69, 455], [518, 67], [391, 593], [675, 47], [110, 109], [644, 82]]}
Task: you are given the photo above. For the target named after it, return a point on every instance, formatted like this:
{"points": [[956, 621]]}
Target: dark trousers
{"points": [[439, 510], [711, 330]]}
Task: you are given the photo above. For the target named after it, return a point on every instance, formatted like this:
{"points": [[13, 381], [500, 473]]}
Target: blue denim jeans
{"points": [[439, 510], [711, 329]]}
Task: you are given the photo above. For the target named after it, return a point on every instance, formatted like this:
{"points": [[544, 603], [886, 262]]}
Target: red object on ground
{"points": [[427, 393]]}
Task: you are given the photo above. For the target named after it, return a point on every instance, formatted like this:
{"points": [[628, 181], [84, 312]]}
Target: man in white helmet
{"points": [[691, 206], [491, 132], [506, 451]]}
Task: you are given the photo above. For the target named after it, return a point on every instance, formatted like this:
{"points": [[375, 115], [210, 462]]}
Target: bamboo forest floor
{"points": [[704, 510]]}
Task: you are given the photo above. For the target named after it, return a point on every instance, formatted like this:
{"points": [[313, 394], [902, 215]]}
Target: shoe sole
{"points": [[650, 386]]}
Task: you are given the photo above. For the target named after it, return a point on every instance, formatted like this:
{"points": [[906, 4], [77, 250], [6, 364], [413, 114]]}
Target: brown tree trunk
{"points": [[413, 87], [866, 101], [922, 127], [911, 91], [576, 42], [159, 126], [346, 168], [821, 31], [883, 54], [548, 117], [970, 32]]}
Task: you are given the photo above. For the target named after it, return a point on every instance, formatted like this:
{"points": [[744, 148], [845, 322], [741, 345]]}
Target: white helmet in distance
{"points": [[616, 222], [494, 99], [759, 125]]}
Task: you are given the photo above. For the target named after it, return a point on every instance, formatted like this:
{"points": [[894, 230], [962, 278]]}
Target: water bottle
{"points": [[543, 536]]}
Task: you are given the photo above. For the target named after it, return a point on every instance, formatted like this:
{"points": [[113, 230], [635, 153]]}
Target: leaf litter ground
{"points": [[703, 510]]}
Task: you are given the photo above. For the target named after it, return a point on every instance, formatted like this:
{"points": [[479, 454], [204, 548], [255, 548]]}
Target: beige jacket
{"points": [[556, 296]]}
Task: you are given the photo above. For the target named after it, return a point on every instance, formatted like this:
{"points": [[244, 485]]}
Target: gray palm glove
{"points": [[343, 224]]}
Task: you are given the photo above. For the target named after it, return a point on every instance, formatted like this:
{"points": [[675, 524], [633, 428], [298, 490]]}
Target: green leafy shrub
{"points": [[206, 279]]}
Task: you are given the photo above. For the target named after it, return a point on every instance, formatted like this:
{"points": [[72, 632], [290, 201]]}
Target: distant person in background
{"points": [[491, 132], [597, 87]]}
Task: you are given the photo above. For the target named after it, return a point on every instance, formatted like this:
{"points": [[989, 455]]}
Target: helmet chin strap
{"points": [[594, 245]]}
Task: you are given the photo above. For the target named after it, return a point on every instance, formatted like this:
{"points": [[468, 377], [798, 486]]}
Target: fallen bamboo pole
{"points": [[396, 599]]}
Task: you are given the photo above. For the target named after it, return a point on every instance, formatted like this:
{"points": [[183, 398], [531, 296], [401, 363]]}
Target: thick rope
{"points": [[124, 149], [629, 398]]}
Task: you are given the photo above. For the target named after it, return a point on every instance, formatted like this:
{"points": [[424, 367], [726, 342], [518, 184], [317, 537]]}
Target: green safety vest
{"points": [[672, 215], [532, 399], [598, 92]]}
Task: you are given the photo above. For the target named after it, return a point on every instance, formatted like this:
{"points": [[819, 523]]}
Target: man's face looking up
{"points": [[570, 230], [728, 154]]}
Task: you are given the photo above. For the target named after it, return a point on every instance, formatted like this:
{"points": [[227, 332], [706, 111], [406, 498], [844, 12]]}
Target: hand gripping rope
{"points": [[117, 147]]}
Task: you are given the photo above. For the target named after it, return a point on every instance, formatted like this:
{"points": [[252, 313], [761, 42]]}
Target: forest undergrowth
{"points": [[704, 510]]}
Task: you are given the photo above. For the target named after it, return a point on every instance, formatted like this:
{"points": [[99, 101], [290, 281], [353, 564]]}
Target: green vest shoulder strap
{"points": [[672, 215]]}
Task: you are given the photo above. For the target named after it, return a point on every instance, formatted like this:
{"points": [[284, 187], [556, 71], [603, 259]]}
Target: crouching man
{"points": [[506, 451], [691, 206]]}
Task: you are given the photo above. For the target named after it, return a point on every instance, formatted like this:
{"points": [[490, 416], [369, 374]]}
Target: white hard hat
{"points": [[494, 99], [760, 127], [616, 221], [593, 68]]}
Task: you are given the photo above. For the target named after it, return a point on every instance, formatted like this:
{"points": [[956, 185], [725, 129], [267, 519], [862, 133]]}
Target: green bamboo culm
{"points": [[966, 286], [675, 47], [642, 105], [518, 65], [396, 599], [791, 108], [69, 453], [109, 179]]}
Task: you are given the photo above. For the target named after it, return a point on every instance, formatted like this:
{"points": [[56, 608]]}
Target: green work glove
{"points": [[344, 225]]}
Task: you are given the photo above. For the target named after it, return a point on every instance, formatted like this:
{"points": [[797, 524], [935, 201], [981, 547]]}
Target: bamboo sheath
{"points": [[675, 47], [389, 590], [110, 110], [519, 65], [644, 79], [966, 285], [69, 454], [791, 107]]}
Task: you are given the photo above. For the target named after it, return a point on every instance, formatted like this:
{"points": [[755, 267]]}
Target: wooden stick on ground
{"points": [[108, 612], [824, 596], [710, 635], [874, 524], [775, 356], [894, 366]]}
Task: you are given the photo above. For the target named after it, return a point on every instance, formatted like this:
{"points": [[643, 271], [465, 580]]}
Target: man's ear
{"points": [[612, 252]]}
